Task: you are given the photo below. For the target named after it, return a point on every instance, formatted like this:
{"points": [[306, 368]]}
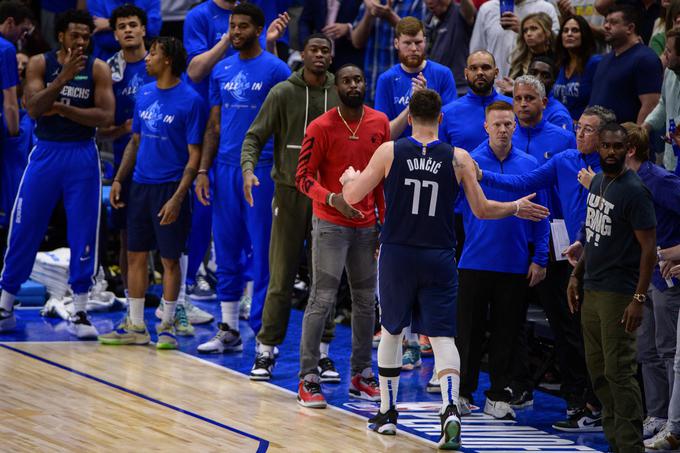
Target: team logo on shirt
{"points": [[133, 85], [153, 116], [238, 86]]}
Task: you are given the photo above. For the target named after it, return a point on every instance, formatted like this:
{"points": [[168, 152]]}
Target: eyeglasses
{"points": [[587, 130]]}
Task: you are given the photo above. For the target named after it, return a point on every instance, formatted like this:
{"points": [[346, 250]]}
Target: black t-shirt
{"points": [[615, 208]]}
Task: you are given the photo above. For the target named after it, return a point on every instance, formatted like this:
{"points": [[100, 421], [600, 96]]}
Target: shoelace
{"points": [[263, 361], [326, 364], [181, 315], [312, 387]]}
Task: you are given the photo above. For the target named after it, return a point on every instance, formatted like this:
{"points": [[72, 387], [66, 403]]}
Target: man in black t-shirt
{"points": [[615, 271]]}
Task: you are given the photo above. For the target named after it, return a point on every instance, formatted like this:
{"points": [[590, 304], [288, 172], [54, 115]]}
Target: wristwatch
{"points": [[639, 298]]}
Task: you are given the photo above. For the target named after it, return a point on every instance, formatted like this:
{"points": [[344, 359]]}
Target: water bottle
{"points": [[669, 281]]}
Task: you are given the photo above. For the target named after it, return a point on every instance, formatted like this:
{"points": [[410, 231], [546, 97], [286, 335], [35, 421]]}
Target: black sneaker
{"points": [[450, 419], [583, 421], [327, 371], [385, 424], [264, 364], [522, 399]]}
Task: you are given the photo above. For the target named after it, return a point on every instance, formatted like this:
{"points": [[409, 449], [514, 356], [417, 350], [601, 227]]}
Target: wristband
{"points": [[329, 199], [516, 208], [202, 171], [117, 180]]}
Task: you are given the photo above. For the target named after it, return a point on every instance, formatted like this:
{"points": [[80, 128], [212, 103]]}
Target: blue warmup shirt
{"points": [[574, 92], [420, 191], [557, 114], [105, 45], [393, 91], [125, 91], [544, 141], [503, 245], [168, 120], [559, 172], [14, 160], [240, 87], [665, 189], [619, 80], [463, 122], [203, 28], [78, 92], [9, 73], [57, 6]]}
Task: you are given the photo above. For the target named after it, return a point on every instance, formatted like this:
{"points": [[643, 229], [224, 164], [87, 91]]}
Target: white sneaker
{"points": [[499, 410], [664, 440], [80, 326], [464, 406], [194, 314], [226, 339], [652, 425], [433, 385]]}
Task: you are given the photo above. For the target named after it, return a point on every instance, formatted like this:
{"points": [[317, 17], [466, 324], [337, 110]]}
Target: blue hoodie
{"points": [[503, 245], [463, 122], [544, 141], [559, 172]]}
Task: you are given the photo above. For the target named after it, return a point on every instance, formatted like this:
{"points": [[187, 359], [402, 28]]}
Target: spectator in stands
{"points": [[536, 39], [628, 79], [480, 73], [449, 26], [577, 62], [395, 86], [335, 19], [669, 104], [670, 20], [494, 272], [648, 11], [373, 31], [105, 45], [498, 34], [544, 69], [585, 9]]}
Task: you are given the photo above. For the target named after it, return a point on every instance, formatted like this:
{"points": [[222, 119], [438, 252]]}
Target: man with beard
{"points": [[543, 68], [463, 122], [615, 271], [239, 85], [343, 236], [628, 79], [395, 86], [668, 107], [285, 114], [69, 94]]}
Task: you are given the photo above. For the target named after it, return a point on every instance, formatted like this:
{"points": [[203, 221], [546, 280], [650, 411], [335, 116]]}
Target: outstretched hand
{"points": [[531, 211]]}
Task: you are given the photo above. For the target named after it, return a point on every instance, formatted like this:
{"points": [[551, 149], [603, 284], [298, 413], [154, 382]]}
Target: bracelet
{"points": [[117, 180], [202, 171], [516, 208], [329, 199]]}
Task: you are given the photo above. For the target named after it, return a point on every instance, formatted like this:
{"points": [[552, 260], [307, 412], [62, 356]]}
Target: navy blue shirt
{"points": [[9, 74], [168, 120], [557, 114], [463, 122], [393, 92], [559, 171], [78, 92], [665, 189], [619, 80], [420, 191], [240, 87], [503, 245], [574, 92]]}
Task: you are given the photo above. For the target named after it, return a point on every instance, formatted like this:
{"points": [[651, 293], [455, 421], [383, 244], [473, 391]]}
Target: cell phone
{"points": [[507, 6]]}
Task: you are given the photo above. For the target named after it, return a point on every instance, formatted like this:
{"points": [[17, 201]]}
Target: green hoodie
{"points": [[286, 112]]}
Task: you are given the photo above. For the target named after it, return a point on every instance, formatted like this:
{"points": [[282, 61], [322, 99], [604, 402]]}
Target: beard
{"points": [[246, 43], [480, 89], [612, 168], [352, 101], [411, 61]]}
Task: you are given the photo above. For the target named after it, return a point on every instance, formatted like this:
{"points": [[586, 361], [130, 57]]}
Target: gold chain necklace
{"points": [[603, 193], [353, 133]]}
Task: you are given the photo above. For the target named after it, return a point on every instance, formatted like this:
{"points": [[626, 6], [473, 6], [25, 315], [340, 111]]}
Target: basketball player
{"points": [[164, 152], [69, 94], [429, 173]]}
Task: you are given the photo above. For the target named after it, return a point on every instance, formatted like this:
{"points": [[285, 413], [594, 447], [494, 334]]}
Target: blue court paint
{"points": [[418, 409], [263, 444]]}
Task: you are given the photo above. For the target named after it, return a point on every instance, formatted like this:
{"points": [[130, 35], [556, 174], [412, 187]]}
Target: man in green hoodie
{"points": [[289, 107]]}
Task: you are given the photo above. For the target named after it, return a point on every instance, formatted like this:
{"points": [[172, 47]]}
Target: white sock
{"points": [[249, 289], [183, 264], [266, 348], [7, 301], [389, 367], [230, 314], [323, 349], [137, 310], [447, 360], [80, 303], [169, 311]]}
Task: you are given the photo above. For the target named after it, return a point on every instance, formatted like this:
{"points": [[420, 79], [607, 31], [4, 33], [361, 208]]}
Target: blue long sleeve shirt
{"points": [[544, 141], [503, 245], [558, 172], [463, 122], [556, 113], [665, 189]]}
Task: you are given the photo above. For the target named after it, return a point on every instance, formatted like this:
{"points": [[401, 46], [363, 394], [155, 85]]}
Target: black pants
{"points": [[500, 297], [551, 294]]}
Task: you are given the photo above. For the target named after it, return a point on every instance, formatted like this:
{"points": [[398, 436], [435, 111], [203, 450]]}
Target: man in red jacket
{"points": [[342, 235]]}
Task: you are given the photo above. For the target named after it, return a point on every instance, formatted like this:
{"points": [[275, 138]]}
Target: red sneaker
{"points": [[364, 388], [309, 395]]}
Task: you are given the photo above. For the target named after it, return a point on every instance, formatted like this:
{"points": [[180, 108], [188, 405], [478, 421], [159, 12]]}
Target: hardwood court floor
{"points": [[68, 396]]}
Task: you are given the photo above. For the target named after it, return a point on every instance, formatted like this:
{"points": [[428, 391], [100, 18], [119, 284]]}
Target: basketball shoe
{"points": [[365, 386], [450, 420], [126, 334], [226, 339], [385, 424], [166, 336], [81, 326], [309, 394]]}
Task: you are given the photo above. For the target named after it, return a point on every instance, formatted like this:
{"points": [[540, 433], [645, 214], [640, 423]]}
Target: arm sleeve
{"points": [[154, 20], [214, 96], [196, 120], [313, 153], [670, 194], [657, 117], [260, 131], [543, 177], [649, 80], [360, 15], [9, 74], [195, 35], [541, 235]]}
